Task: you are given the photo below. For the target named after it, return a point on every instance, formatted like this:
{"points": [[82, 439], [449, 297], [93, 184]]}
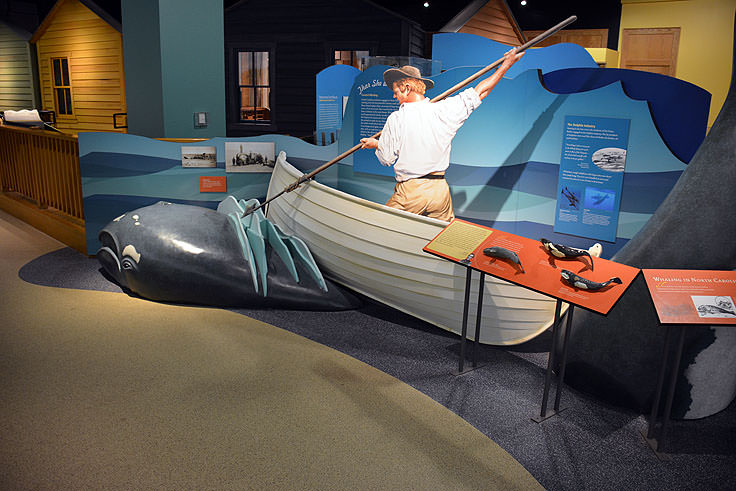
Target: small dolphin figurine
{"points": [[565, 252], [501, 253], [584, 284]]}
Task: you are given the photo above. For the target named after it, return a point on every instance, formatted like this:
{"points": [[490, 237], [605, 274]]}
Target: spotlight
{"points": [[426, 4], [523, 2]]}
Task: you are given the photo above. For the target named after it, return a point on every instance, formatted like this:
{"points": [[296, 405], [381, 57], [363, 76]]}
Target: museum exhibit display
{"points": [[616, 357]]}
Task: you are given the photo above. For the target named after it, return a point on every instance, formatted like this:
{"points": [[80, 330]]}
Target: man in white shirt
{"points": [[417, 137]]}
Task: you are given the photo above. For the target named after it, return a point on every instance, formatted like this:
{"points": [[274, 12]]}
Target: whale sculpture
{"points": [[505, 254], [189, 254]]}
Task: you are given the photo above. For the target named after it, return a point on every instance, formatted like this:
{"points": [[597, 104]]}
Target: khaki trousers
{"points": [[427, 197]]}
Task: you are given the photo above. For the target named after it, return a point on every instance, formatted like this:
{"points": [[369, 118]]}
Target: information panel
{"points": [[333, 89], [374, 102], [589, 282], [591, 176], [692, 296]]}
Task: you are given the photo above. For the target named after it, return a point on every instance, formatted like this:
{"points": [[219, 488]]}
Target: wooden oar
{"points": [[306, 177]]}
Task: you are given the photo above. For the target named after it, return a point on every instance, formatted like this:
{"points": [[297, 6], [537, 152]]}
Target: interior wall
{"points": [[706, 39], [175, 66], [193, 66], [142, 67]]}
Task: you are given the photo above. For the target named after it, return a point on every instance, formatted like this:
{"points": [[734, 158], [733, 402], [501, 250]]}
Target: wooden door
{"points": [[650, 50]]}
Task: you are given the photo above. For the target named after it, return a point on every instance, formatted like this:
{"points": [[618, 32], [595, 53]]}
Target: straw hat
{"points": [[407, 71]]}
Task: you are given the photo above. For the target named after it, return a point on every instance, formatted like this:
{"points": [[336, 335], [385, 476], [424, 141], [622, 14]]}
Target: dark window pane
{"points": [[60, 101], [65, 71], [57, 72], [68, 96]]}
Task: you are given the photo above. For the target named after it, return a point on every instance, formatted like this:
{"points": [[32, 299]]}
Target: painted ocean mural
{"points": [[505, 161]]}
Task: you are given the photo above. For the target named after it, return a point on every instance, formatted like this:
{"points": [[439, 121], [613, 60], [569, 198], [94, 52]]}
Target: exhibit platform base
{"points": [[58, 225]]}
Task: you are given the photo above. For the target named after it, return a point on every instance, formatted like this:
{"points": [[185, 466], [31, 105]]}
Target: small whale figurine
{"points": [[584, 284], [501, 253], [565, 252]]}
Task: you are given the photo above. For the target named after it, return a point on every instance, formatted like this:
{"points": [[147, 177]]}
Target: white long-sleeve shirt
{"points": [[417, 137]]}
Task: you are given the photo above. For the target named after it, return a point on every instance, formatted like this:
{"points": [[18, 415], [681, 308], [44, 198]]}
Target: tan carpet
{"points": [[100, 390]]}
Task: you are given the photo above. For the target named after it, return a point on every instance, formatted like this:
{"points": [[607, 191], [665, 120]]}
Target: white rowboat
{"points": [[377, 251]]}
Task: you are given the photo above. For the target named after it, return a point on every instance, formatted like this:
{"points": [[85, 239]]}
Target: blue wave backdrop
{"points": [[504, 163]]}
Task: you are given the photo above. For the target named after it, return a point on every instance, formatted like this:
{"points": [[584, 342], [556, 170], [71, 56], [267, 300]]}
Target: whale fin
{"points": [[230, 205], [258, 243], [234, 220], [300, 249]]}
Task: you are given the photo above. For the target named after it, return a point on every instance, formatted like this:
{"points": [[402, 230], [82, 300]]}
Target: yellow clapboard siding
{"points": [[100, 105], [94, 51], [102, 68], [82, 45], [88, 53], [96, 97], [97, 83], [95, 76], [97, 60], [96, 90], [68, 36], [75, 28]]}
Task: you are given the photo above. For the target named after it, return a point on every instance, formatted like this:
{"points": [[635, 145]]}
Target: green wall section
{"points": [[142, 58], [174, 67]]}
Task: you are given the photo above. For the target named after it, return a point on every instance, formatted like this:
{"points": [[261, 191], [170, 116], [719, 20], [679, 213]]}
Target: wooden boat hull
{"points": [[377, 251]]}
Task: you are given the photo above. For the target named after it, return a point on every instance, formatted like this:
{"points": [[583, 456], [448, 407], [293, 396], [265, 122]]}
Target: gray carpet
{"points": [[588, 446]]}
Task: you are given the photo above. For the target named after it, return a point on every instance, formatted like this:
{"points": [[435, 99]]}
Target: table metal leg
{"points": [[563, 362], [464, 331], [478, 316], [671, 391], [660, 384], [550, 363]]}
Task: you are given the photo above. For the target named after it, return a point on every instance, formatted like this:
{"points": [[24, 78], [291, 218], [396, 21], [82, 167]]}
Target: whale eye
{"points": [[127, 264]]}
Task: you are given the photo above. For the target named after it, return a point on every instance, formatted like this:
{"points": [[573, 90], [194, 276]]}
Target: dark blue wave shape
{"points": [[679, 109], [104, 164]]}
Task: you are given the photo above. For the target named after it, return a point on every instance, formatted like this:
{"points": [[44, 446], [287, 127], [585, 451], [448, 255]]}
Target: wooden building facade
{"points": [[275, 48], [491, 19], [80, 67], [17, 89]]}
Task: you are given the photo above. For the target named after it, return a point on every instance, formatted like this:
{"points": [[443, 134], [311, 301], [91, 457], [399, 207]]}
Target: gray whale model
{"points": [[505, 254], [189, 254]]}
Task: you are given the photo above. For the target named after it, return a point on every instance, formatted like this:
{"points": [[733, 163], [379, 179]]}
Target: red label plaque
{"points": [[692, 296], [212, 184]]}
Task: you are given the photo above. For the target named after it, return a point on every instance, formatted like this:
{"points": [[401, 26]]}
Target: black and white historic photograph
{"points": [[249, 156], [610, 159], [199, 156], [709, 306]]}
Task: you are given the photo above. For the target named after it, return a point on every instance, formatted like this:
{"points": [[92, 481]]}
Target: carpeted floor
{"points": [[102, 390]]}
